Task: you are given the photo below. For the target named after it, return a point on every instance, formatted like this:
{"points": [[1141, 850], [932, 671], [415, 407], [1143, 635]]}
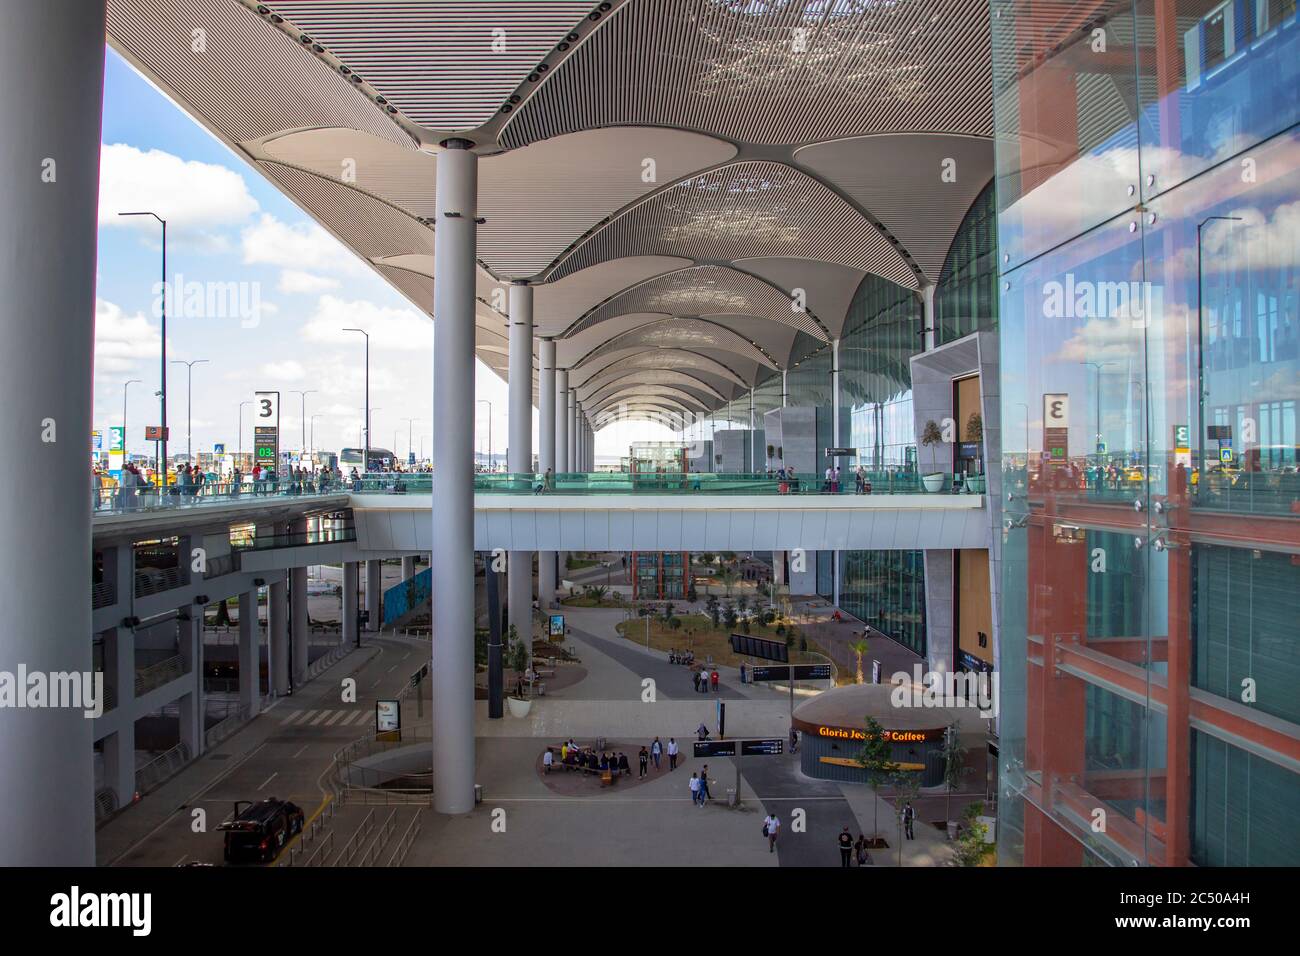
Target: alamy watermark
{"points": [[75, 690], [944, 688], [209, 300]]}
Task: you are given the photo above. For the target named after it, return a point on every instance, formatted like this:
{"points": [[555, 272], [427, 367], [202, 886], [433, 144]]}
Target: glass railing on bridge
{"points": [[120, 499], [679, 483]]}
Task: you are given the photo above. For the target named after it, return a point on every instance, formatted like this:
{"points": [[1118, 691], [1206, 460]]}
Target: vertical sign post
{"points": [[266, 431], [1056, 429]]}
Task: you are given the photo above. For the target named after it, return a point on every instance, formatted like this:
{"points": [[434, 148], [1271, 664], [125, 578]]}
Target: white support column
{"points": [[561, 420], [190, 637], [927, 317], [374, 594], [835, 393], [408, 567], [783, 392], [519, 581], [351, 601], [546, 423], [455, 212], [298, 615], [119, 748], [52, 67], [250, 658], [277, 635], [571, 432]]}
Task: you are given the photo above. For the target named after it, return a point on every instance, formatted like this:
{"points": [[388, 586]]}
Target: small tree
{"points": [[713, 609], [729, 614], [975, 427], [876, 758], [728, 578], [742, 604], [859, 647], [970, 845], [598, 592], [674, 622], [668, 611], [803, 643], [691, 595], [954, 766], [931, 433]]}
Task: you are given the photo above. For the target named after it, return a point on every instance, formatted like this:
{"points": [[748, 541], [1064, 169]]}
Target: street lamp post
{"points": [[128, 384], [312, 430], [1097, 440], [484, 401], [189, 396], [365, 460], [241, 428], [410, 436], [162, 339], [303, 395]]}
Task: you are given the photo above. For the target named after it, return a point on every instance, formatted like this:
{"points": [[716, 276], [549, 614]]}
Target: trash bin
{"points": [[731, 796], [478, 793]]}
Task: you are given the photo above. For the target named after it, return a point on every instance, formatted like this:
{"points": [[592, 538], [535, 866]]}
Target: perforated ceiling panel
{"points": [[919, 187], [744, 210], [250, 80], [445, 64], [772, 71], [704, 290], [695, 334]]}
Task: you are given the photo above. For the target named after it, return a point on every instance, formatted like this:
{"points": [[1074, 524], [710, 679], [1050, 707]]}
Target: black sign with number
{"points": [[769, 747], [812, 671], [747, 646], [715, 748]]}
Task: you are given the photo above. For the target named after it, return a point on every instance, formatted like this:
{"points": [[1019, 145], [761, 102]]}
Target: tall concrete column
{"points": [[375, 594], [927, 317], [277, 635], [351, 602], [546, 392], [191, 707], [455, 209], [519, 455], [408, 567], [561, 420], [572, 432], [298, 617], [250, 658], [52, 66], [119, 748]]}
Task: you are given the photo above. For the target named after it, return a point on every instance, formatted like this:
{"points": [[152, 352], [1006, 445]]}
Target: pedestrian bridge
{"points": [[675, 522], [617, 512]]}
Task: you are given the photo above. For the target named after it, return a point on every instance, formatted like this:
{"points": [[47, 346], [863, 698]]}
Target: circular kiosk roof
{"points": [[842, 713]]}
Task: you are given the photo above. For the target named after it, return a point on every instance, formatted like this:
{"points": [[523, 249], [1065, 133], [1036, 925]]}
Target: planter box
{"points": [[975, 484], [932, 483], [519, 708]]}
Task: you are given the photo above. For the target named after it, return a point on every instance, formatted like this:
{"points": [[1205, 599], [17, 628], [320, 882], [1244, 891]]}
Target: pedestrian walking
{"points": [[695, 789], [704, 784], [864, 858], [696, 676], [909, 815], [643, 761], [656, 751], [771, 829], [846, 848], [672, 753], [713, 679]]}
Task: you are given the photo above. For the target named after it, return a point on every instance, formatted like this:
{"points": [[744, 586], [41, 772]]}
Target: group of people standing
{"points": [[704, 679]]}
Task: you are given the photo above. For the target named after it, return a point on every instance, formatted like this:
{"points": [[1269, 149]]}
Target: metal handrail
{"points": [[359, 836], [155, 675], [407, 840], [371, 856], [161, 767]]}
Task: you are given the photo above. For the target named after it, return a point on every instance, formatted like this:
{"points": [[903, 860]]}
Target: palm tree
{"points": [[859, 648]]}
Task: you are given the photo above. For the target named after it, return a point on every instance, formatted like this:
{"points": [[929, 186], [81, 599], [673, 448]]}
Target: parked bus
{"points": [[380, 458]]}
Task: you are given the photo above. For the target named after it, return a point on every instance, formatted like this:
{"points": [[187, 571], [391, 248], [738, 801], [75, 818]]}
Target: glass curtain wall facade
{"points": [[966, 299], [1147, 231]]}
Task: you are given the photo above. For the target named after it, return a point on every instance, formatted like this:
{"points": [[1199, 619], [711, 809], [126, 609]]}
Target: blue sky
{"points": [[227, 224], [296, 288]]}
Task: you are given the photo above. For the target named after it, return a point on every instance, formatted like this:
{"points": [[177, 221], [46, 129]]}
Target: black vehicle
{"points": [[258, 831]]}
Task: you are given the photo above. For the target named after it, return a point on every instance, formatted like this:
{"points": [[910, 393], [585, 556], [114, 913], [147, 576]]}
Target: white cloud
{"points": [[122, 342], [293, 281], [289, 370], [402, 330], [193, 197], [272, 242]]}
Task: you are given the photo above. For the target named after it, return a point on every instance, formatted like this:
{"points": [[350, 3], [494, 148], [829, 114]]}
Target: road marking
{"points": [[300, 750], [361, 717], [391, 669], [268, 780], [296, 716], [321, 716], [376, 683], [335, 718]]}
